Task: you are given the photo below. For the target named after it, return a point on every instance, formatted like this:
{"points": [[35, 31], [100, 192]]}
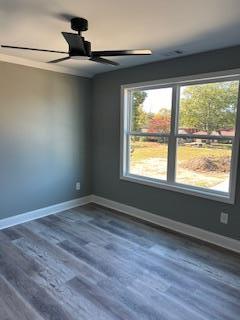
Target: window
{"points": [[181, 135]]}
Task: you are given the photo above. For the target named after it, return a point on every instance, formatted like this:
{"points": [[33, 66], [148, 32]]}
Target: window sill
{"points": [[194, 191]]}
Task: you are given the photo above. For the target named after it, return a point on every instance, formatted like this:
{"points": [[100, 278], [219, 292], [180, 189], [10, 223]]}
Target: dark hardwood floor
{"points": [[93, 263]]}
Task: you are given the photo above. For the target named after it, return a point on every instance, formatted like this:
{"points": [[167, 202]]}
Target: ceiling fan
{"points": [[80, 48]]}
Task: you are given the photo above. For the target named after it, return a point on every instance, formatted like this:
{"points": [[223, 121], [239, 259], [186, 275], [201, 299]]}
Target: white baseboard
{"points": [[43, 212], [225, 242], [216, 239]]}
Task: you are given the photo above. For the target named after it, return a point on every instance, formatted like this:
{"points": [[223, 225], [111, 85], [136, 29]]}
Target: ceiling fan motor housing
{"points": [[79, 24]]}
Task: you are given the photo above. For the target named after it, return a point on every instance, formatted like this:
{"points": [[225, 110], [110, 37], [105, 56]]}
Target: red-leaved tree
{"points": [[159, 123]]}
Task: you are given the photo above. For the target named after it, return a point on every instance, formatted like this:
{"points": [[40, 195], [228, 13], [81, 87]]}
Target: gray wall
{"points": [[44, 138], [106, 145], [57, 129]]}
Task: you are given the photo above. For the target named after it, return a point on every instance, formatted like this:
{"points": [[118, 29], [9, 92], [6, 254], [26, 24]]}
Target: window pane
{"points": [[204, 163], [151, 110], [208, 109], [148, 157]]}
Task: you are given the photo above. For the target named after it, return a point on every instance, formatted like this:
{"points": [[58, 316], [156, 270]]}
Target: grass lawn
{"points": [[150, 159], [145, 150]]}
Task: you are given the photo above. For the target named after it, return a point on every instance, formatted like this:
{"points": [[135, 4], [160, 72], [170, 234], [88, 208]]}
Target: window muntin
{"points": [[214, 164]]}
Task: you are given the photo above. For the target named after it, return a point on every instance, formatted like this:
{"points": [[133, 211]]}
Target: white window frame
{"points": [[170, 184]]}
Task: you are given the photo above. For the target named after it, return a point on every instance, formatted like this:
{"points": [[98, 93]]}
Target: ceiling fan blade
{"points": [[33, 49], [59, 60], [104, 61], [75, 42], [121, 52]]}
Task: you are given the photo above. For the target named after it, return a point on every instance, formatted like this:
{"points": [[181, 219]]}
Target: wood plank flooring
{"points": [[92, 263]]}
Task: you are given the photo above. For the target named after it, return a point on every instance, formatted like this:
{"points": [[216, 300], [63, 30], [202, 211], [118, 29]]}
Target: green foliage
{"points": [[209, 107], [139, 116]]}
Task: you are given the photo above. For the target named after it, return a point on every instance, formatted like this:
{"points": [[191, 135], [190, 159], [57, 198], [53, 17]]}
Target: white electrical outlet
{"points": [[224, 217], [78, 185]]}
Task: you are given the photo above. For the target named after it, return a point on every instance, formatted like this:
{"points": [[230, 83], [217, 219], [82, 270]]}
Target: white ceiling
{"points": [[160, 25]]}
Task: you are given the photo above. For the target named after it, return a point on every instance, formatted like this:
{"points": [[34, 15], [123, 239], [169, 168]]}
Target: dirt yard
{"points": [[150, 159]]}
